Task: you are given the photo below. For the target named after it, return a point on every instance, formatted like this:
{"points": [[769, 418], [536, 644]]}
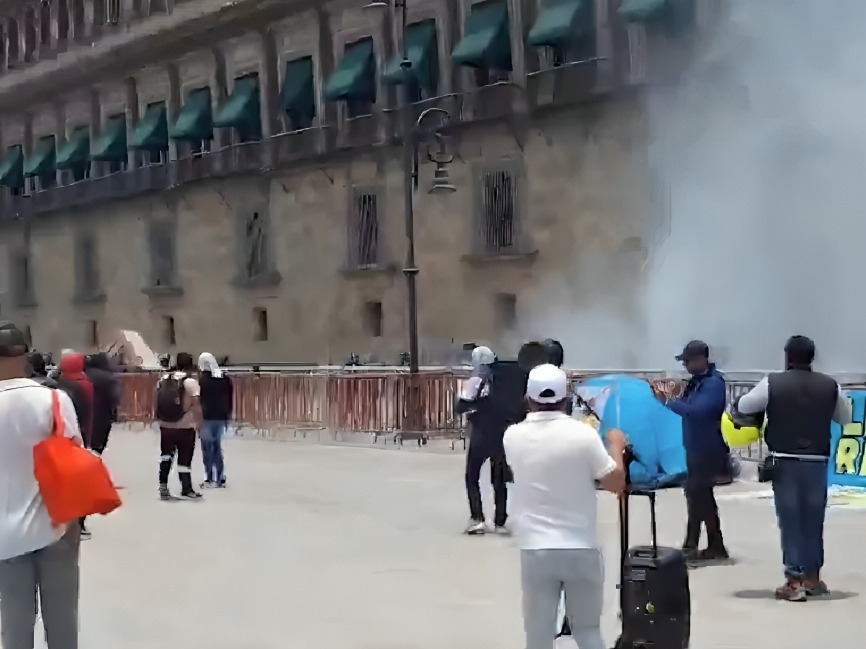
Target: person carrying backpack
{"points": [[178, 414]]}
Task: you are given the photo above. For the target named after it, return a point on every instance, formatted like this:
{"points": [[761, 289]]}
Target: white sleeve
{"points": [[470, 388], [843, 413], [600, 461], [756, 399], [191, 387], [67, 412]]}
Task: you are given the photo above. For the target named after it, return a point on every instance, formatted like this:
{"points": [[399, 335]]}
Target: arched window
{"points": [[62, 20], [29, 35], [45, 23], [77, 18], [14, 50]]}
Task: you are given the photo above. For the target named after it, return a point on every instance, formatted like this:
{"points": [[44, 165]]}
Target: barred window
{"points": [[363, 234], [498, 222], [162, 254], [23, 277], [88, 266]]}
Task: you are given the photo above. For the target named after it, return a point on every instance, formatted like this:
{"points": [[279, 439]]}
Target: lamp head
{"points": [[441, 181]]}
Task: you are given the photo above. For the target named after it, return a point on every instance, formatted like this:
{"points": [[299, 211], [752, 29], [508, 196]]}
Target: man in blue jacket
{"points": [[701, 406]]}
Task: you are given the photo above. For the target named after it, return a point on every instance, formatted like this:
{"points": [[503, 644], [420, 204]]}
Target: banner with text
{"points": [[848, 445]]}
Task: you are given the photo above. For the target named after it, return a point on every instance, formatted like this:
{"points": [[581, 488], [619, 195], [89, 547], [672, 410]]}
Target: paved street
{"points": [[350, 548]]}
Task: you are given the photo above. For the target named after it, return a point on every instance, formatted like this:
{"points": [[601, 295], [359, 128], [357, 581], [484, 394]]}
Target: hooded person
{"points": [[217, 403], [106, 399], [72, 380], [485, 443]]}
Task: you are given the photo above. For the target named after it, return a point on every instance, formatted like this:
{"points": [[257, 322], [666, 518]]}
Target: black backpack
{"points": [[169, 399]]}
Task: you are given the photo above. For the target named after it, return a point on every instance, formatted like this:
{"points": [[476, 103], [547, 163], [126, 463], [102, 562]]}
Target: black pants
{"points": [[703, 511], [99, 437], [499, 473], [180, 442]]}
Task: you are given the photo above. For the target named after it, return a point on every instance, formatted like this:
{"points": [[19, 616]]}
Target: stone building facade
{"points": [[228, 176]]}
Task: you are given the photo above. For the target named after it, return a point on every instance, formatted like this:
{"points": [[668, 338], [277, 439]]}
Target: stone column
{"points": [[133, 158], [270, 85]]}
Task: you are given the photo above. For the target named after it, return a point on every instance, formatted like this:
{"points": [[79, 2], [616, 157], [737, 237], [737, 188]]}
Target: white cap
{"points": [[547, 384], [483, 356]]}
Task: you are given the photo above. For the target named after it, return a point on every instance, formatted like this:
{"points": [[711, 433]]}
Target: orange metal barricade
{"points": [[341, 401]]}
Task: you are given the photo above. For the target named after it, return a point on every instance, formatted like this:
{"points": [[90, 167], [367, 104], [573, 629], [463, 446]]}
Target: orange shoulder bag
{"points": [[73, 481]]}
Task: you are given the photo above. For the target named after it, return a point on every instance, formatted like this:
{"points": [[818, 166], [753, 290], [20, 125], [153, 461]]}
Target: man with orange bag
{"points": [[36, 558]]}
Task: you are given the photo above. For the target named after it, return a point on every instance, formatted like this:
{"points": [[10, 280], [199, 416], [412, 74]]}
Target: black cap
{"points": [[695, 349], [13, 341]]}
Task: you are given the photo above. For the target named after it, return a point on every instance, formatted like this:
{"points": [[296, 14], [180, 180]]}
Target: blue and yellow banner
{"points": [[848, 444]]}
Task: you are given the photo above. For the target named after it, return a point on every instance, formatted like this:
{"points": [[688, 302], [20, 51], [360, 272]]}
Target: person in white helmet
{"points": [[485, 443]]}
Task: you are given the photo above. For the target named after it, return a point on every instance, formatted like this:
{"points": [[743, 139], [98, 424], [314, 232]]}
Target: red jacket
{"points": [[72, 375]]}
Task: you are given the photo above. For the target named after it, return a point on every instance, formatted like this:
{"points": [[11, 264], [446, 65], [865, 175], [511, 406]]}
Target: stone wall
{"points": [[583, 193]]}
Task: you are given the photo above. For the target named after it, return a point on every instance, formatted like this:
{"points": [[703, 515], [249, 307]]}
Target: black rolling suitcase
{"points": [[655, 601]]}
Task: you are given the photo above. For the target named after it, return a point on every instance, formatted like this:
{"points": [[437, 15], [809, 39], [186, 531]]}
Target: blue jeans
{"points": [[800, 493], [212, 450]]}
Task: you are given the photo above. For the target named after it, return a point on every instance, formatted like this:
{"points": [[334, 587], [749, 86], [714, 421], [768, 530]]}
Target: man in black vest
{"points": [[800, 405]]}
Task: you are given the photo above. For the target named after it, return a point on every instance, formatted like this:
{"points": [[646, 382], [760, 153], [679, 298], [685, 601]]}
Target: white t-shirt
{"points": [[191, 390], [25, 420], [556, 461]]}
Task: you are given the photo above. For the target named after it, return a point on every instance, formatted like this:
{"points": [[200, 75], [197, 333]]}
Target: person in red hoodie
{"points": [[74, 382]]}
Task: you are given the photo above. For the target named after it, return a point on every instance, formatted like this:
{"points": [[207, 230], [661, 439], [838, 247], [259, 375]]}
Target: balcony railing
{"points": [[570, 83], [562, 85]]}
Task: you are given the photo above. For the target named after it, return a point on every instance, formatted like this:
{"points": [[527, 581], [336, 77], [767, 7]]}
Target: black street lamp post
{"points": [[413, 133]]}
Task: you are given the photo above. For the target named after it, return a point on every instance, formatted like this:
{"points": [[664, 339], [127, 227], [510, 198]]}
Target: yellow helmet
{"points": [[739, 429]]}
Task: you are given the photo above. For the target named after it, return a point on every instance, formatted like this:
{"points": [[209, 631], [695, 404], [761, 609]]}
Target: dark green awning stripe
{"points": [[560, 22], [486, 44], [421, 50], [151, 132], [297, 96], [195, 120], [355, 76], [12, 167], [111, 147], [76, 151], [42, 161]]}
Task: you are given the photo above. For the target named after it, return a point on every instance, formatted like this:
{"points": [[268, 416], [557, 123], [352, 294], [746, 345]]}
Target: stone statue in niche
{"points": [[255, 240]]}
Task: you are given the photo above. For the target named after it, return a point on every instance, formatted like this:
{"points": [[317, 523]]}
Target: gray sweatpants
{"points": [[545, 575], [51, 574]]}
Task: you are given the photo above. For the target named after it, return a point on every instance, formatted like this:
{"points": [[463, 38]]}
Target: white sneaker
{"points": [[501, 530], [476, 527]]}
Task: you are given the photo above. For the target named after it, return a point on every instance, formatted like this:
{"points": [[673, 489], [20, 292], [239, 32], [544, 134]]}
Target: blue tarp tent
{"points": [[654, 432]]}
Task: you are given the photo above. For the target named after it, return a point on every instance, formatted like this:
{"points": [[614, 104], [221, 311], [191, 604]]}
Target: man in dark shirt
{"points": [[701, 407], [800, 404]]}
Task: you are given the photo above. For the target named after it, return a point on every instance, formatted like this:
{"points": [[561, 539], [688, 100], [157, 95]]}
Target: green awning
{"points": [[151, 132], [12, 167], [355, 76], [486, 44], [195, 121], [111, 147], [422, 52], [297, 96], [243, 109], [560, 22], [641, 11], [42, 161], [76, 151]]}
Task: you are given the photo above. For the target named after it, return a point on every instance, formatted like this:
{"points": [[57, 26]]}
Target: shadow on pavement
{"points": [[770, 593]]}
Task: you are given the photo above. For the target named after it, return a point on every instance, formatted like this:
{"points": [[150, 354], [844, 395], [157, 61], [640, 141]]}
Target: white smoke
{"points": [[763, 146]]}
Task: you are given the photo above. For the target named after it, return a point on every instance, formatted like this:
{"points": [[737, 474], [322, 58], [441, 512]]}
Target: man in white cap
{"points": [[557, 462]]}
